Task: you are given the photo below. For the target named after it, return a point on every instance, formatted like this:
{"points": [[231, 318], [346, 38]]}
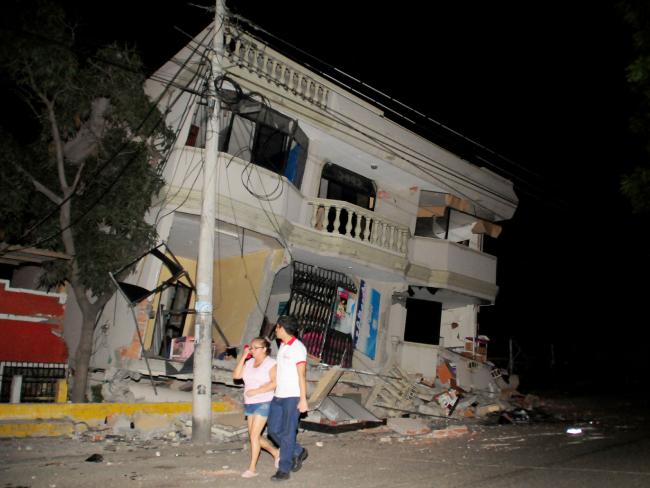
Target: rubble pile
{"points": [[463, 387]]}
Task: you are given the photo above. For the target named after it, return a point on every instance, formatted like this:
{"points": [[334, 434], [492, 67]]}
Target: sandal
{"points": [[249, 474]]}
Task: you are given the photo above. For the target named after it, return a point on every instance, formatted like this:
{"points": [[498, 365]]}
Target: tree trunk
{"points": [[82, 357], [89, 312]]}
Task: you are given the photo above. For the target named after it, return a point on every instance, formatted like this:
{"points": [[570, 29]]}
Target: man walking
{"points": [[290, 398]]}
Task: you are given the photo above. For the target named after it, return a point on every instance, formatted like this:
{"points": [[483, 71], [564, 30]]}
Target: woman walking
{"points": [[258, 370]]}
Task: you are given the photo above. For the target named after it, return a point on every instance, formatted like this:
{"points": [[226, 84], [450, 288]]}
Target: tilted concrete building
{"points": [[371, 235]]}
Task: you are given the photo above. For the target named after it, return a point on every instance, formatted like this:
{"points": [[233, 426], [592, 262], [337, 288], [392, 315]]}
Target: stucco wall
{"points": [[465, 317]]}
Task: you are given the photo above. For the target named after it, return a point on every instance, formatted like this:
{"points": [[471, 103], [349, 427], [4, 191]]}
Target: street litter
{"points": [[95, 458]]}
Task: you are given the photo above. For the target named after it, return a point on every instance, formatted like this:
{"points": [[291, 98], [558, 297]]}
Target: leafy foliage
{"points": [[80, 173], [117, 179], [636, 185]]}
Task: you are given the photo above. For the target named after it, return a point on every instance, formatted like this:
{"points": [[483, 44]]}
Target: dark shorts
{"points": [[261, 409]]}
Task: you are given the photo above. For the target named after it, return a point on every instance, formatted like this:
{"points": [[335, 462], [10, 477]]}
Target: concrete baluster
{"points": [[337, 219], [314, 215], [286, 77], [357, 228], [348, 225]]}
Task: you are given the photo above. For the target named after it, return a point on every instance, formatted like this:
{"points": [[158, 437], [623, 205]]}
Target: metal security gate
{"points": [[312, 302], [39, 380]]}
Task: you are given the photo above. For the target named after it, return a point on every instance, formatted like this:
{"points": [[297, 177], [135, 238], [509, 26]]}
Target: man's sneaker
{"points": [[298, 460], [280, 476]]}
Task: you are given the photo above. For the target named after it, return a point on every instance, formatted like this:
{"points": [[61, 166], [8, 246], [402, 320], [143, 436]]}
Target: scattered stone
{"points": [[94, 458], [450, 432], [407, 426]]}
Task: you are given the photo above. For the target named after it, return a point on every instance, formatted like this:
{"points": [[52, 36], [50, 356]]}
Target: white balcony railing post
{"points": [[373, 231]]}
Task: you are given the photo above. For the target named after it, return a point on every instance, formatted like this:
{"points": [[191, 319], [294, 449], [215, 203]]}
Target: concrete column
{"points": [[16, 388]]}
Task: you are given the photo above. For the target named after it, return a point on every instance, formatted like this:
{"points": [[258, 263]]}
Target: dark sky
{"points": [[540, 82]]}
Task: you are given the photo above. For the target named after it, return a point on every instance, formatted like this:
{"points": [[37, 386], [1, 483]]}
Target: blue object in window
{"points": [[292, 163]]}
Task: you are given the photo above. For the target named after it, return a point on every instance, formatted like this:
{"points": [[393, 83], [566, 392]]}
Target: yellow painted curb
{"points": [[25, 428], [96, 412]]}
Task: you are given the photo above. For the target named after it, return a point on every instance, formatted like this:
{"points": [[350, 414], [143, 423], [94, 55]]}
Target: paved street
{"points": [[612, 451]]}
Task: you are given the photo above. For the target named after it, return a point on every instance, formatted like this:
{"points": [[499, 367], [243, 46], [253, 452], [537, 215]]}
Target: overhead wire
{"points": [[397, 152], [423, 158], [189, 168], [383, 94]]}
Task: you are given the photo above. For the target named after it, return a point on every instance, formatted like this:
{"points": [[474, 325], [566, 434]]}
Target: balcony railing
{"points": [[357, 223], [252, 55]]}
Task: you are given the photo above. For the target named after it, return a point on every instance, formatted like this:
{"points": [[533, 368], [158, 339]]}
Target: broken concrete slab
{"points": [[408, 426], [455, 431], [324, 386]]}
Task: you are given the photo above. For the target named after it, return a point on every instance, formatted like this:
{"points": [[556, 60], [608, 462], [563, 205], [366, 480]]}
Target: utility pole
{"points": [[202, 386]]}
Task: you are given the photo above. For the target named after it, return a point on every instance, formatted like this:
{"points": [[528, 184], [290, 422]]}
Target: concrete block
{"points": [[152, 424], [450, 432], [406, 426], [487, 409]]}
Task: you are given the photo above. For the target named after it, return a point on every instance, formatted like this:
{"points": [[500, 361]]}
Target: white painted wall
{"points": [[273, 305], [419, 358], [391, 325], [397, 203], [465, 317], [439, 254]]}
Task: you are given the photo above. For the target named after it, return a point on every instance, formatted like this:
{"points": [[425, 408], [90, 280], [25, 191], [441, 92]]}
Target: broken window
{"points": [[444, 216], [253, 132], [173, 306], [198, 127]]}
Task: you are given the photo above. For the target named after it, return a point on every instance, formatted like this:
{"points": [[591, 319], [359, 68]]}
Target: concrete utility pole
{"points": [[202, 387]]}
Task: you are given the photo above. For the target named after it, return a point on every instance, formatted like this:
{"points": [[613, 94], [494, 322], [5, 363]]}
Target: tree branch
{"points": [[85, 143], [57, 144], [77, 177], [39, 186]]}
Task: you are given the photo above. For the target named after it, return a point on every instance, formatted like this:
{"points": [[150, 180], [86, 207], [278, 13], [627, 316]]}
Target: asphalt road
{"points": [[612, 451]]}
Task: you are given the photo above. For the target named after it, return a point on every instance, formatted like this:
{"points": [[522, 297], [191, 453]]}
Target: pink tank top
{"points": [[255, 377]]}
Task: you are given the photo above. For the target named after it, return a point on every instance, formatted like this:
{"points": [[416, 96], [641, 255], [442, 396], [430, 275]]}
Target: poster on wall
{"points": [[366, 324], [343, 320]]}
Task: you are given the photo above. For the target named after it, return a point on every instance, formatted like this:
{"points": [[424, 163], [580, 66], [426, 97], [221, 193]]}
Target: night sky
{"points": [[540, 83]]}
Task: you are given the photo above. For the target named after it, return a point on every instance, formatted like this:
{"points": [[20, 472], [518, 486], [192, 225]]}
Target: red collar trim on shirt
{"points": [[290, 341]]}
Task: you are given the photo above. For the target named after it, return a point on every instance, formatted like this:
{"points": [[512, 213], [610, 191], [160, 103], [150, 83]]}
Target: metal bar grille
{"points": [[39, 380], [312, 301]]}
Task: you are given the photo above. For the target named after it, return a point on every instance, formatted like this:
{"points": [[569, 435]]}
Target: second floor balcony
{"points": [[329, 233]]}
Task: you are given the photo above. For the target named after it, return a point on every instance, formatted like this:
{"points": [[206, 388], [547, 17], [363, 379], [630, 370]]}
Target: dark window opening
{"points": [[434, 226], [255, 133], [173, 311], [338, 183], [422, 321], [269, 150]]}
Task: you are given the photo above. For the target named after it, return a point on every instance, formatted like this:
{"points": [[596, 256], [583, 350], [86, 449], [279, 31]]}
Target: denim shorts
{"points": [[261, 409]]}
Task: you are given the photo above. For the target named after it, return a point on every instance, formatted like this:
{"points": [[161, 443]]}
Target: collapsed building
{"points": [[370, 235]]}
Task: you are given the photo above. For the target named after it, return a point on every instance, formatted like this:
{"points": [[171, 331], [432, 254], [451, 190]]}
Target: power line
{"points": [[384, 95]]}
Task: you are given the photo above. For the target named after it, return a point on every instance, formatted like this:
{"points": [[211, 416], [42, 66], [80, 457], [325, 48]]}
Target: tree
{"points": [[636, 184], [86, 175]]}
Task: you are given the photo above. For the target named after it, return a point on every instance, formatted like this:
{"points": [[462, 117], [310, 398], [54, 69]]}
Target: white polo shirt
{"points": [[290, 355]]}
